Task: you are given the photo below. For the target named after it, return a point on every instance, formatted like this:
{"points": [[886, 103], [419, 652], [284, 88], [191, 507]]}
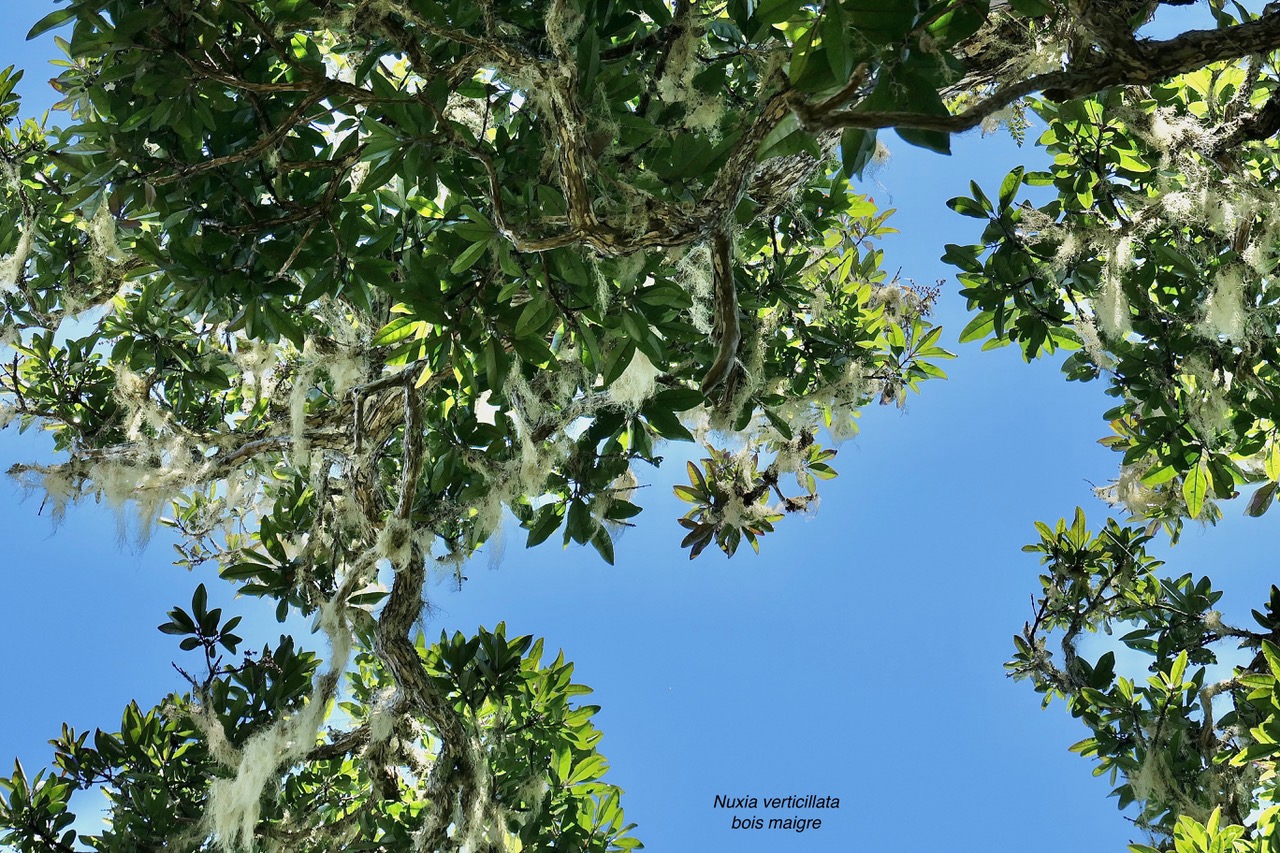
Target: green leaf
{"points": [[1009, 187], [546, 521], [678, 399], [1255, 752], [959, 22], [603, 543], [1084, 192], [786, 139], [617, 360], [588, 59], [367, 599], [635, 324], [801, 52], [978, 328], [1180, 262], [933, 140], [684, 493], [469, 257], [1196, 486], [534, 317], [1272, 654], [1158, 476], [911, 88], [397, 330], [777, 11], [967, 207], [695, 475], [698, 540], [621, 510], [50, 21], [836, 39], [1261, 500], [666, 424], [857, 147], [964, 257], [200, 603], [579, 525], [779, 423], [980, 197], [175, 628], [1178, 670], [562, 762], [881, 22], [1031, 8]]}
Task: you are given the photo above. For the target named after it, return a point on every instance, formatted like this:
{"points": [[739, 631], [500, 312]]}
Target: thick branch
{"points": [[728, 331], [1263, 124], [454, 776], [1149, 62]]}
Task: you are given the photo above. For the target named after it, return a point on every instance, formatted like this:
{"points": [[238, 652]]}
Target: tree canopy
{"points": [[339, 283]]}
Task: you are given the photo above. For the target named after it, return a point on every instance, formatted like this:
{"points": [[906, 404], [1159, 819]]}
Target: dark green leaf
{"points": [[51, 21]]}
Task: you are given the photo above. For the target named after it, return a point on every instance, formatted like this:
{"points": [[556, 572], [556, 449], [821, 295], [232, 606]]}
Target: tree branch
{"points": [[1149, 62], [728, 330], [255, 150]]}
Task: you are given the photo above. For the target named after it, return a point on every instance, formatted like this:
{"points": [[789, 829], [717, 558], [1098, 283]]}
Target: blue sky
{"points": [[858, 656]]}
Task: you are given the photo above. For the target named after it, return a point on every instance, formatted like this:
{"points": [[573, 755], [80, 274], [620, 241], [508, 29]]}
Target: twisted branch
{"points": [[1145, 62]]}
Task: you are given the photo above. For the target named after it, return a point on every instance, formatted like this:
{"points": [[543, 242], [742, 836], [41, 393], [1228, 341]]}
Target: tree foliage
{"points": [[339, 283], [1190, 752], [1154, 260]]}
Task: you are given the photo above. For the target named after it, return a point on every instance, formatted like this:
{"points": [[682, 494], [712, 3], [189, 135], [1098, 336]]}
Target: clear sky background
{"points": [[858, 656]]}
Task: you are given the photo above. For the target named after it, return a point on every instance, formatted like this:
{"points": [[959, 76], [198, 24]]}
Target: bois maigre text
{"points": [[792, 802]]}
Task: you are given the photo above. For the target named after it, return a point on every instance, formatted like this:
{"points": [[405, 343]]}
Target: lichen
{"points": [[395, 542], [675, 86], [299, 395], [257, 362], [1087, 331], [382, 720], [835, 405], [1129, 491], [104, 247], [467, 112], [1224, 314], [346, 370], [1213, 621], [1208, 409], [1068, 251], [694, 275], [1111, 306], [12, 265], [59, 490], [900, 302], [1176, 136], [636, 385], [235, 804], [144, 417]]}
